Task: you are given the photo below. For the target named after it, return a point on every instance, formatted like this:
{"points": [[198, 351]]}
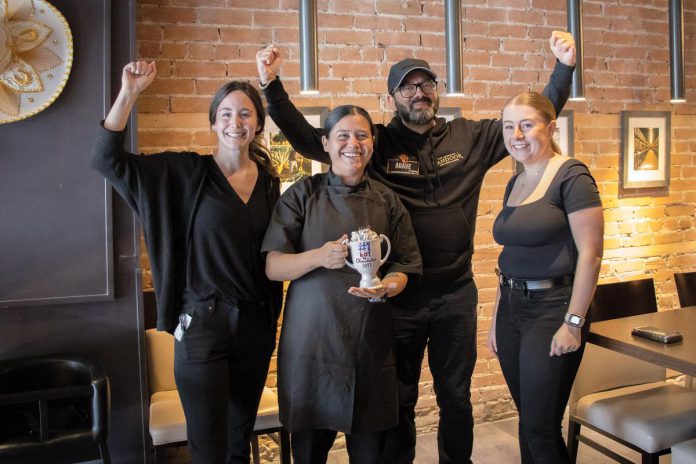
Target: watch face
{"points": [[574, 319]]}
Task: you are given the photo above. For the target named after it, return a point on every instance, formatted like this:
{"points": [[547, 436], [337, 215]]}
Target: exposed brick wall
{"points": [[199, 44]]}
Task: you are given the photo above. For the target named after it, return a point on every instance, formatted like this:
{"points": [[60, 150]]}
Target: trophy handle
{"points": [[348, 263], [384, 237]]}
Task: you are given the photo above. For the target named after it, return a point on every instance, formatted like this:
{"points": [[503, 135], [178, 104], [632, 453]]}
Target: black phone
{"points": [[657, 334]]}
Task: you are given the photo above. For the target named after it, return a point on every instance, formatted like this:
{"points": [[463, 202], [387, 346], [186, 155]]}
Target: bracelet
{"points": [[264, 85]]}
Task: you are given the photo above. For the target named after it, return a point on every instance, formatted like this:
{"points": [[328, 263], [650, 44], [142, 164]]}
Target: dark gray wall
{"points": [[65, 284]]}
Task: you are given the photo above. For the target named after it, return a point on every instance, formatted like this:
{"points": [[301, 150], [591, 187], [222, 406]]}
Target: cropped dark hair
{"points": [[257, 151], [541, 104], [341, 112]]}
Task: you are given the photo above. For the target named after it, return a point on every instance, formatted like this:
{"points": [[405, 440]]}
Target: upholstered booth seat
{"points": [[651, 416], [684, 453]]}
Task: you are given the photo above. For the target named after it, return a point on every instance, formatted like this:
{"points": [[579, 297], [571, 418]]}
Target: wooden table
{"points": [[616, 335]]}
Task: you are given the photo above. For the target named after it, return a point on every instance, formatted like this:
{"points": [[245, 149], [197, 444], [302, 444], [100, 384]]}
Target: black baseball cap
{"points": [[403, 67]]}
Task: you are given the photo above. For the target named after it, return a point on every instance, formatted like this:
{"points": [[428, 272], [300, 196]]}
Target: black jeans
{"points": [[313, 446], [540, 384], [220, 366], [444, 320]]}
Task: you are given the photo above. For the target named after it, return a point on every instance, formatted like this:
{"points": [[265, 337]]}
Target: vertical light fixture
{"points": [[308, 47], [574, 12], [676, 51], [453, 40]]}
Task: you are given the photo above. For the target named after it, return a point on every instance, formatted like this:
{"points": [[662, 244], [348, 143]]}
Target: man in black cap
{"points": [[437, 169]]}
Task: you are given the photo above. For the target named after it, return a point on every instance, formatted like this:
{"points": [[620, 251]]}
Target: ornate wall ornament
{"points": [[36, 55]]}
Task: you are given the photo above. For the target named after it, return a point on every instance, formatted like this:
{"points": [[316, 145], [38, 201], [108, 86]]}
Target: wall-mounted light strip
{"points": [[453, 41], [676, 51], [309, 76], [574, 12]]}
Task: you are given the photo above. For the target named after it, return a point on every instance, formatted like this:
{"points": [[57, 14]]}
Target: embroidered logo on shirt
{"points": [[402, 165], [449, 159]]}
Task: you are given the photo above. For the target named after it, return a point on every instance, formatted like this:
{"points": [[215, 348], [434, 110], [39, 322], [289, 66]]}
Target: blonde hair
{"points": [[541, 104]]}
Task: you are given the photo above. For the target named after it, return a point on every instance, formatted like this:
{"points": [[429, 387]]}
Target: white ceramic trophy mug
{"points": [[366, 256]]}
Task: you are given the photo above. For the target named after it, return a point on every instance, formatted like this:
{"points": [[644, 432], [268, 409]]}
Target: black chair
{"points": [[686, 288], [624, 398], [623, 299], [53, 409]]}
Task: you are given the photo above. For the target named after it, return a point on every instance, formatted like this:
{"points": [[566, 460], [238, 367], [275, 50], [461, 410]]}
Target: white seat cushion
{"points": [[167, 421], [651, 416], [267, 416], [684, 452]]}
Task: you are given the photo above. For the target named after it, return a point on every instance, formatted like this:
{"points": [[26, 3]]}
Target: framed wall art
{"points": [[291, 165], [645, 149]]}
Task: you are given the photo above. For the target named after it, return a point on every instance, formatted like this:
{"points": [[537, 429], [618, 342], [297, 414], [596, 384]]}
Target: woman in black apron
{"points": [[336, 369]]}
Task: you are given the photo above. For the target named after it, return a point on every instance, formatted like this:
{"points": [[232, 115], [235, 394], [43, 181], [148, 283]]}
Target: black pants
{"points": [[444, 320], [220, 366], [313, 446], [540, 384]]}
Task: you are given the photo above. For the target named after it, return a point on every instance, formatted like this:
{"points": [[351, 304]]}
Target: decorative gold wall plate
{"points": [[36, 55]]}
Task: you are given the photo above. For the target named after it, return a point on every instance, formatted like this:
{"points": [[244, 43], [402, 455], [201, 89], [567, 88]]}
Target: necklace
{"points": [[530, 176]]}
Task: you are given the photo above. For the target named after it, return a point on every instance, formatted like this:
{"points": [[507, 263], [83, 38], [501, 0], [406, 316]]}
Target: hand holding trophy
{"points": [[365, 252]]}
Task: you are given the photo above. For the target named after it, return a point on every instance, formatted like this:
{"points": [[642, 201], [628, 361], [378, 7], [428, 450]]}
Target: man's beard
{"points": [[418, 116]]}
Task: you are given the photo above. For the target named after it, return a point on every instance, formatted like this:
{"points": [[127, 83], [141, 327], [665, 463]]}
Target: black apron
{"points": [[336, 369]]}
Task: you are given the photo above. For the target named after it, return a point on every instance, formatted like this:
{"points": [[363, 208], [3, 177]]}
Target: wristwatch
{"points": [[574, 320]]}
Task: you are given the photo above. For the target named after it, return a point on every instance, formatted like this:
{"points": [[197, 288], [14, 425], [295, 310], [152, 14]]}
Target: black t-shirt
{"points": [[536, 237], [225, 250]]}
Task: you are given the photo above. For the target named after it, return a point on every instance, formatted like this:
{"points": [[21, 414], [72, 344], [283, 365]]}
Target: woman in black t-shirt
{"points": [[551, 229], [204, 219]]}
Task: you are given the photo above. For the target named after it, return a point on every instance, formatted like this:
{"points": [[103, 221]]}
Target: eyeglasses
{"points": [[409, 90]]}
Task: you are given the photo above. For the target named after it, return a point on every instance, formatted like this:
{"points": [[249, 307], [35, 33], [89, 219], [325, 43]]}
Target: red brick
{"points": [[197, 3], [489, 74], [190, 104], [482, 43], [224, 16], [153, 104], [201, 51], [433, 40], [397, 7], [401, 39], [349, 70], [276, 19], [173, 51], [346, 37], [199, 69], [164, 138], [233, 52], [521, 45], [337, 21], [190, 33], [246, 35], [159, 14], [352, 7], [149, 32], [287, 36], [170, 87], [210, 86], [506, 60], [485, 14]]}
